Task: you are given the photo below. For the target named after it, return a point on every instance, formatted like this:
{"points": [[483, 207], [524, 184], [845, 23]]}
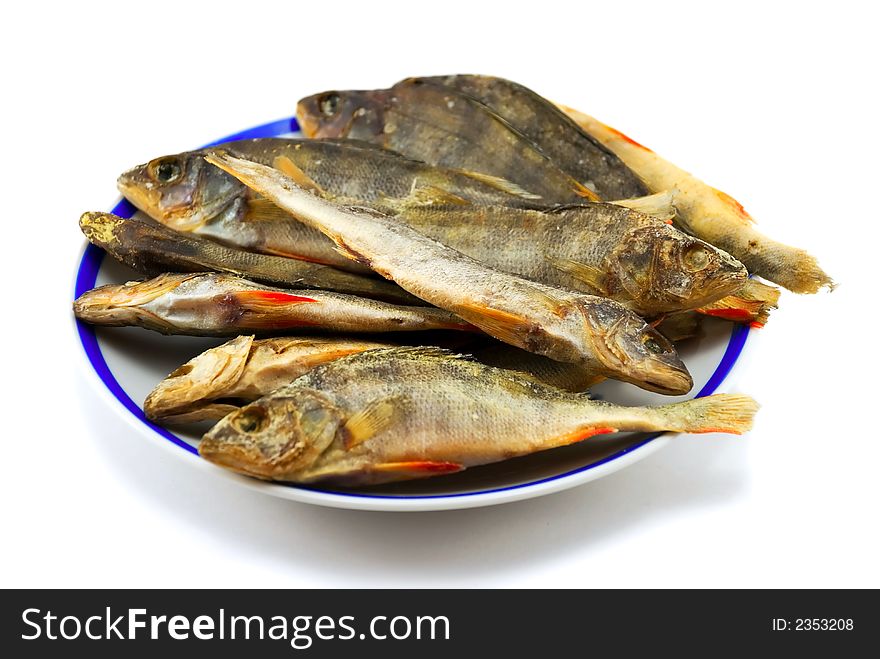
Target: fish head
{"points": [[181, 191], [662, 269], [354, 114], [633, 351], [121, 304], [276, 436]]}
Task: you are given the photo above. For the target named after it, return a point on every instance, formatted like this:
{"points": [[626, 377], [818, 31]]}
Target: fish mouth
{"points": [[143, 196], [668, 380], [307, 124], [724, 283], [215, 449]]}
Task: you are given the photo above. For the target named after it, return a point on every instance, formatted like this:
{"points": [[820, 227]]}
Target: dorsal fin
{"points": [[290, 169]]}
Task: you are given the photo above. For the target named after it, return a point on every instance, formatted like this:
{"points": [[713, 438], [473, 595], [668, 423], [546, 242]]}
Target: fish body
{"points": [[222, 305], [187, 194], [562, 375], [596, 248], [404, 413], [443, 127], [555, 133], [221, 379], [712, 215], [594, 332], [152, 249]]}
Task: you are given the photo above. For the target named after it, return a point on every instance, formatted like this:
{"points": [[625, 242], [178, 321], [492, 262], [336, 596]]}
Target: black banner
{"points": [[318, 623]]}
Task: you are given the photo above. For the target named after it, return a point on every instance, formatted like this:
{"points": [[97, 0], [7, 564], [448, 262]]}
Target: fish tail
{"points": [[791, 267], [726, 413]]}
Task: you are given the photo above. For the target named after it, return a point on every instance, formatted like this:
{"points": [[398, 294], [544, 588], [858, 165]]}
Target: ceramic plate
{"points": [[128, 362]]}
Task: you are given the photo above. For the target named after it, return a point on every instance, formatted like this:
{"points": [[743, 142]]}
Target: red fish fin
{"points": [[734, 205], [267, 310], [626, 138], [271, 298], [752, 303], [738, 315], [418, 468], [369, 422], [287, 167]]}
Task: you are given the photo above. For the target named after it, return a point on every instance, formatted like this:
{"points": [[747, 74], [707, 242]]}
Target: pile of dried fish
{"points": [[545, 251]]}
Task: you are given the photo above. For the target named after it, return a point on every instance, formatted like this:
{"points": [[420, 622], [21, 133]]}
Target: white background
{"points": [[773, 103]]}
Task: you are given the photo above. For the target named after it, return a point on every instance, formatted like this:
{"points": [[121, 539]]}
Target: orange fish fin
{"points": [[507, 327], [727, 413], [580, 435], [625, 138], [287, 167], [583, 191], [369, 421], [733, 204], [418, 468]]}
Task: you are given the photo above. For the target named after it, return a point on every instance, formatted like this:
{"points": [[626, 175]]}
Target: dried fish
{"points": [[403, 413]]}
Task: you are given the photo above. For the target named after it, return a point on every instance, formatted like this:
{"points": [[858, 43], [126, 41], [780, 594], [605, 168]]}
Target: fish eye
{"points": [[186, 369], [251, 420], [165, 171], [696, 257], [652, 344], [329, 104]]}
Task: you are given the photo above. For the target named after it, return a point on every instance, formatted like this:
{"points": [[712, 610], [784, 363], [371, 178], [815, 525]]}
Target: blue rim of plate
{"points": [[87, 276]]}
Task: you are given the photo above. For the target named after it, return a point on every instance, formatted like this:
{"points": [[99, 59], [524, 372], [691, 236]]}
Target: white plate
{"points": [[128, 362]]}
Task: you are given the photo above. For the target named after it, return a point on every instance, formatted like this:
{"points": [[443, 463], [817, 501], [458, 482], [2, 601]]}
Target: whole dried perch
{"points": [[569, 147], [186, 193], [224, 305], [596, 333], [403, 413], [597, 248], [713, 215], [441, 127], [221, 379], [153, 249]]}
